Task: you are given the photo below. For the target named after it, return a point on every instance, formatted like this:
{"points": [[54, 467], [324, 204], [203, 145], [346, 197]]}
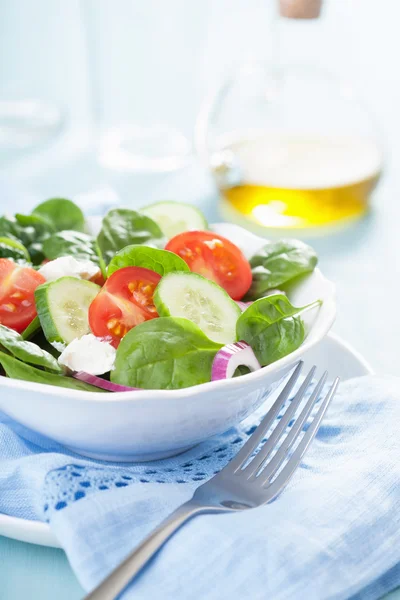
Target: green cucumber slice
{"points": [[200, 300], [175, 217], [63, 307]]}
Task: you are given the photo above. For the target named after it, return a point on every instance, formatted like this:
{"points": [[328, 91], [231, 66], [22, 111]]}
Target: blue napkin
{"points": [[333, 533]]}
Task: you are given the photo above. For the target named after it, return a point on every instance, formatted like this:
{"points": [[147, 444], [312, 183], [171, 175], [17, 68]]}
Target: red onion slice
{"points": [[230, 357], [102, 383]]}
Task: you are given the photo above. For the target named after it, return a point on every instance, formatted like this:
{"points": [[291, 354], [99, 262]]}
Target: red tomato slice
{"points": [[214, 257], [17, 299], [125, 300]]}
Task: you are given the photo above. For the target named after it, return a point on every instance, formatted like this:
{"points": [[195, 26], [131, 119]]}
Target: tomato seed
{"points": [[112, 323], [9, 307]]}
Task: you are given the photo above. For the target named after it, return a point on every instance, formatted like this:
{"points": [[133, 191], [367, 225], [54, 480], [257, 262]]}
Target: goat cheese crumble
{"points": [[68, 266], [90, 354]]}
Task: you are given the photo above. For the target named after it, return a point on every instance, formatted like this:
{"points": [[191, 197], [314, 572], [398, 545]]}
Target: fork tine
{"points": [[254, 440], [284, 476], [254, 466], [292, 436]]}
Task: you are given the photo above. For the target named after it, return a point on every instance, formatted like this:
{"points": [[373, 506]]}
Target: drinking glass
{"points": [[31, 75], [142, 56], [26, 124]]}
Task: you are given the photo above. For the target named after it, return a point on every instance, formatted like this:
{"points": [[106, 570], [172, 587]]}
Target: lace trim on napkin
{"points": [[74, 481]]}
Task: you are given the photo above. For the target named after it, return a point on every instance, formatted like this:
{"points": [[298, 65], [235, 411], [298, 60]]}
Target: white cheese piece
{"points": [[68, 266], [59, 346], [90, 354]]}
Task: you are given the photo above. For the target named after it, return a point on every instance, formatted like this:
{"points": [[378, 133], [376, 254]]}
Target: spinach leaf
{"points": [[9, 228], [33, 231], [165, 353], [40, 225], [62, 213], [277, 263], [30, 230], [102, 262], [272, 327], [14, 250], [16, 369], [71, 243], [241, 370], [32, 329], [27, 351], [40, 340], [159, 261], [123, 227]]}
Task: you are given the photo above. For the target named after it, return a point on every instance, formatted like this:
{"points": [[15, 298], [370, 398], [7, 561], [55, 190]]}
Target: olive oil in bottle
{"points": [[300, 182]]}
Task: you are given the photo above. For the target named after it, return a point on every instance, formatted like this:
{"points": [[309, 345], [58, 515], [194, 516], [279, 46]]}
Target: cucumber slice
{"points": [[63, 307], [200, 300], [175, 217]]}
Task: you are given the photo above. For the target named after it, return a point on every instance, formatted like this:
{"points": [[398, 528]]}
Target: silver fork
{"points": [[248, 481]]}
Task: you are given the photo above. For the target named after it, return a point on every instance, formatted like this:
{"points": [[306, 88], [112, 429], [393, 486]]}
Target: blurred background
{"points": [[136, 101]]}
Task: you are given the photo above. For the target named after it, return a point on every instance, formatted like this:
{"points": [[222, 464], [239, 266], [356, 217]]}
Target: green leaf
{"points": [[40, 339], [30, 231], [273, 327], [9, 228], [32, 329], [165, 353], [13, 249], [27, 351], [41, 225], [241, 370], [123, 227], [16, 369], [33, 231], [159, 261], [71, 243], [62, 213], [277, 263], [102, 262]]}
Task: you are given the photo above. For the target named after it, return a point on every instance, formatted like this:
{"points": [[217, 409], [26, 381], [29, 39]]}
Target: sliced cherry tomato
{"points": [[17, 300], [214, 257], [125, 300]]}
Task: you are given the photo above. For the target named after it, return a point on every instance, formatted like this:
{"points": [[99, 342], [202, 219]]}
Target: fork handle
{"points": [[118, 579]]}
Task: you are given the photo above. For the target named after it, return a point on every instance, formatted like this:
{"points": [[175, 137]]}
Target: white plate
{"points": [[332, 354]]}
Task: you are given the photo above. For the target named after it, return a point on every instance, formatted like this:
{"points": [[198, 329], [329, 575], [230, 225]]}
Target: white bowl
{"points": [[152, 424]]}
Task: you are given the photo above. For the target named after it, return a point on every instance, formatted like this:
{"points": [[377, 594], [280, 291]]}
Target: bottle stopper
{"points": [[300, 9]]}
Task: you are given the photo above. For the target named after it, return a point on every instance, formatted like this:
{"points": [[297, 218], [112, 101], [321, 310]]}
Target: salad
{"points": [[154, 301]]}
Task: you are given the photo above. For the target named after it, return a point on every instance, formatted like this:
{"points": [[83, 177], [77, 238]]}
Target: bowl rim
{"points": [[207, 387]]}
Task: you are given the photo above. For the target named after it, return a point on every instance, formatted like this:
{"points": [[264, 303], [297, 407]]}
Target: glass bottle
{"points": [[290, 145]]}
